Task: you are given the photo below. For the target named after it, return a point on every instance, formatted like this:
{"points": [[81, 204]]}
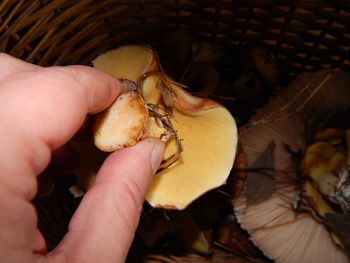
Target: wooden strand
{"points": [[3, 5], [218, 18], [18, 48], [38, 46], [51, 6], [6, 21]]}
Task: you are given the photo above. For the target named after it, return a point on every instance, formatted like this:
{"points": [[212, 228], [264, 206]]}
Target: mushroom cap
{"points": [[207, 130], [208, 136], [282, 233], [132, 60]]}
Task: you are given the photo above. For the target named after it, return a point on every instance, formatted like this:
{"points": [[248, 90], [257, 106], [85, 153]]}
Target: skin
{"points": [[41, 110]]}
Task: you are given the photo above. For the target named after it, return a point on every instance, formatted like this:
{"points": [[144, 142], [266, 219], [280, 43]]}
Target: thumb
{"points": [[103, 227]]}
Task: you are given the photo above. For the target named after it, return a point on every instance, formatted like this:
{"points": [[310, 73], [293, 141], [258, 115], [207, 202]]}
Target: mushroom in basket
{"points": [[294, 197], [200, 134]]}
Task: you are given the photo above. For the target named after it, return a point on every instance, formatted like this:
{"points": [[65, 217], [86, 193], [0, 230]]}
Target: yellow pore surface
{"points": [[209, 140], [121, 64], [208, 137]]}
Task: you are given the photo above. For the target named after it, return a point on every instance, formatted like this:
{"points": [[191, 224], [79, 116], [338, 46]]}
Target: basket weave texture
{"points": [[309, 34]]}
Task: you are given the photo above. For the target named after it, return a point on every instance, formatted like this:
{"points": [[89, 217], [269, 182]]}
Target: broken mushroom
{"points": [[201, 134], [274, 213], [91, 157]]}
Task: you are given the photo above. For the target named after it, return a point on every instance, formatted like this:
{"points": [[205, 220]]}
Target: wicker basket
{"points": [[309, 34]]}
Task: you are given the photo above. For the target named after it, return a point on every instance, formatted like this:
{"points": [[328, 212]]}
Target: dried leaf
{"points": [[340, 224], [260, 179]]}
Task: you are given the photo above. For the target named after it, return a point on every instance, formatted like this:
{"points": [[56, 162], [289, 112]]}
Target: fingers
{"points": [[58, 99], [10, 65], [103, 227], [41, 110]]}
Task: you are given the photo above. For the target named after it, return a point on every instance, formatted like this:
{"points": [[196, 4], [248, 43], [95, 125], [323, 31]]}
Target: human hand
{"points": [[41, 109]]}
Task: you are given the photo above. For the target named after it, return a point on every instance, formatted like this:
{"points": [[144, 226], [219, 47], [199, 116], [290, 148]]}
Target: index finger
{"points": [[41, 110], [53, 102], [10, 65]]}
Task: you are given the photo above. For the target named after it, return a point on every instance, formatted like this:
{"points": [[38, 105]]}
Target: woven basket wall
{"points": [[309, 34]]}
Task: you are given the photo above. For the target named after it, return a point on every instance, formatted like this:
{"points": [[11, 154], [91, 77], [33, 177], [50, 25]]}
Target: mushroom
{"points": [[283, 233], [91, 157], [201, 134]]}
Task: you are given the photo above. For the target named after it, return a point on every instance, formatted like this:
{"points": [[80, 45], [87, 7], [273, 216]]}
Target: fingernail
{"points": [[157, 155]]}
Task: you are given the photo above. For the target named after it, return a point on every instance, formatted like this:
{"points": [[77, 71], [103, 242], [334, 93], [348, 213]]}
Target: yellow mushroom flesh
{"points": [[321, 163], [121, 125]]}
